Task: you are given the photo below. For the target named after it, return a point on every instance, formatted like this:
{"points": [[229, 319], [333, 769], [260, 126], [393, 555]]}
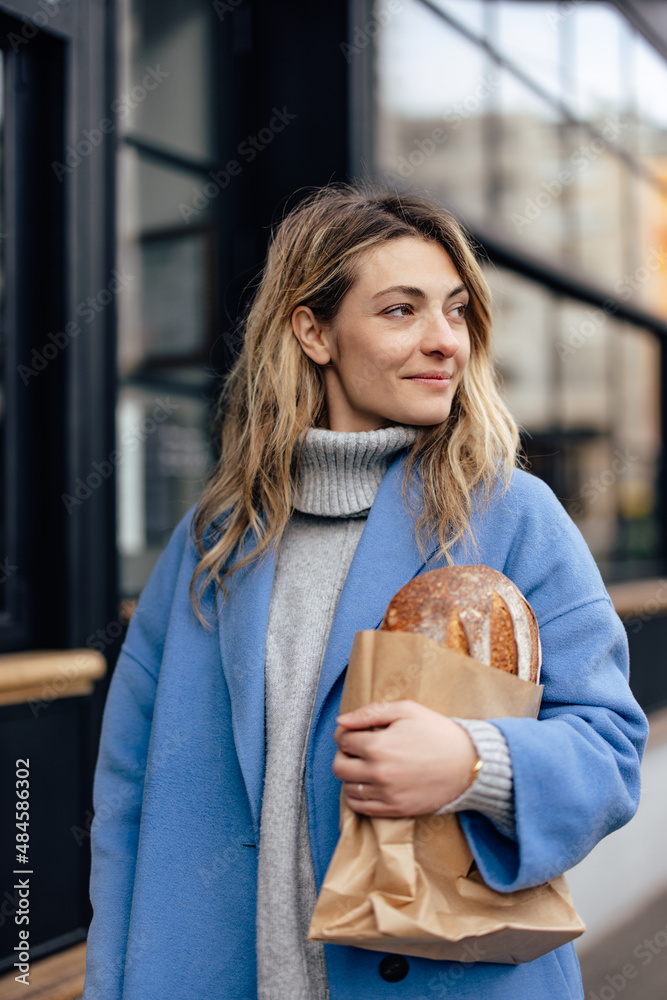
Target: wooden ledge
{"points": [[639, 598], [43, 675], [58, 977]]}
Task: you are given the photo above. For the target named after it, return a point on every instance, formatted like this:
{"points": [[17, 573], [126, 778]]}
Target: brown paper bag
{"points": [[411, 886]]}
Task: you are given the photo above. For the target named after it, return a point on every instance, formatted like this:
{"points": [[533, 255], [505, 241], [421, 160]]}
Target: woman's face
{"points": [[385, 336]]}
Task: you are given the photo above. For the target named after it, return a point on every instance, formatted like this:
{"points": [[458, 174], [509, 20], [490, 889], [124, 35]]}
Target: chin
{"points": [[427, 419]]}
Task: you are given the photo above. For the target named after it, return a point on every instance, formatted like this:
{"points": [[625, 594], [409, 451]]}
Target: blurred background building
{"points": [[146, 148]]}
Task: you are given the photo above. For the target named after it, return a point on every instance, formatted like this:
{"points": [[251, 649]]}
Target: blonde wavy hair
{"points": [[274, 391]]}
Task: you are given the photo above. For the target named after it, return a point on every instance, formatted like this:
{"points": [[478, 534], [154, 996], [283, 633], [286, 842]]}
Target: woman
{"points": [[363, 442]]}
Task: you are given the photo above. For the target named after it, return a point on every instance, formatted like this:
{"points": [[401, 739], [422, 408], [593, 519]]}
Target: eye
{"points": [[403, 305], [461, 311]]}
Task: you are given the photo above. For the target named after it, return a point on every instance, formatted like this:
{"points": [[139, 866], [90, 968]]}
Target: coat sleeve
{"points": [[119, 776], [576, 768]]}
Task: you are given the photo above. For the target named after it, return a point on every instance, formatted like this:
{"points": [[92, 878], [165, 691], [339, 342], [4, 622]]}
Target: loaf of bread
{"points": [[475, 610]]}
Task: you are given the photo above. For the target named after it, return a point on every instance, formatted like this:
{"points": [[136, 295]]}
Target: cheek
{"points": [[465, 352], [372, 361]]}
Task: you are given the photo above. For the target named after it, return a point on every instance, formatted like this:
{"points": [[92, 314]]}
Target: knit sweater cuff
{"points": [[492, 791]]}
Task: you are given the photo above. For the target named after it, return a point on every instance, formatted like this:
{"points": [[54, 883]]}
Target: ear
{"points": [[311, 334]]}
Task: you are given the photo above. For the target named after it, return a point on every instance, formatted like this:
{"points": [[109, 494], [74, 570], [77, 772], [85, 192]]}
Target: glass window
{"points": [[585, 390], [598, 34], [637, 450], [530, 206], [166, 309], [168, 223], [609, 416], [646, 282], [164, 456], [583, 349], [168, 74], [651, 83], [527, 34], [597, 201], [565, 159], [434, 96], [469, 13], [523, 352]]}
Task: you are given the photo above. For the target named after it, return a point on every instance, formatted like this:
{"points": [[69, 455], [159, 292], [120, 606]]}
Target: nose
{"points": [[439, 337]]}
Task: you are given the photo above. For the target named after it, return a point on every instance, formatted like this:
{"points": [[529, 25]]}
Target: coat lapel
{"points": [[385, 559], [242, 627]]}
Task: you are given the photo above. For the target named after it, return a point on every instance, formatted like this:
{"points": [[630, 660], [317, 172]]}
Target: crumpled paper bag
{"points": [[410, 885]]}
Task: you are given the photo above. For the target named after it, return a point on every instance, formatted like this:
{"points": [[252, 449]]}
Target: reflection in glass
{"points": [[595, 59], [609, 413], [646, 282], [528, 35], [431, 111], [583, 345], [468, 13], [164, 457], [598, 197], [529, 154], [167, 225], [651, 83], [175, 295], [157, 195], [585, 390], [523, 352], [585, 191], [168, 75]]}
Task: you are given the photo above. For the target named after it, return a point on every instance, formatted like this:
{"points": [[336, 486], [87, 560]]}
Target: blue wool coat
{"points": [[178, 783]]}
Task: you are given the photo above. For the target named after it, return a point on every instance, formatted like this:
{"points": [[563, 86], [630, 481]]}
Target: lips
{"points": [[436, 375]]}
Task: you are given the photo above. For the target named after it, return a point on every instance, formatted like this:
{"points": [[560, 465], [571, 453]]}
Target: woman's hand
{"points": [[417, 762]]}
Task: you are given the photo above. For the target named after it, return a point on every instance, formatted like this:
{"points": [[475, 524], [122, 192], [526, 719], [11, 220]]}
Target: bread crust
{"points": [[475, 610]]}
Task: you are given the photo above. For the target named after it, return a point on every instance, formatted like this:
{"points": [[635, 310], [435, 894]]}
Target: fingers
{"points": [[350, 768], [378, 713], [366, 799], [362, 795], [356, 743]]}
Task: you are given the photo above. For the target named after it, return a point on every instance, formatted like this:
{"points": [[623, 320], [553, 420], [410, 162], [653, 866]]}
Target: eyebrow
{"points": [[417, 293]]}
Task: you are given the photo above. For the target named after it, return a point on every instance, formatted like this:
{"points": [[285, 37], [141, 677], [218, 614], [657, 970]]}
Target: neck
{"points": [[340, 472]]}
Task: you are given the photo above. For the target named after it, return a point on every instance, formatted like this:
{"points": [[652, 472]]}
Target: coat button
{"points": [[393, 968]]}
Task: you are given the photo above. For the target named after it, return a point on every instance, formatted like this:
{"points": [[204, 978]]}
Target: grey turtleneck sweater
{"points": [[339, 476]]}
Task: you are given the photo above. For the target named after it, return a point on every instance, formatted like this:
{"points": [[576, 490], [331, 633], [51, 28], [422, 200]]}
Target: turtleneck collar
{"points": [[340, 471]]}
